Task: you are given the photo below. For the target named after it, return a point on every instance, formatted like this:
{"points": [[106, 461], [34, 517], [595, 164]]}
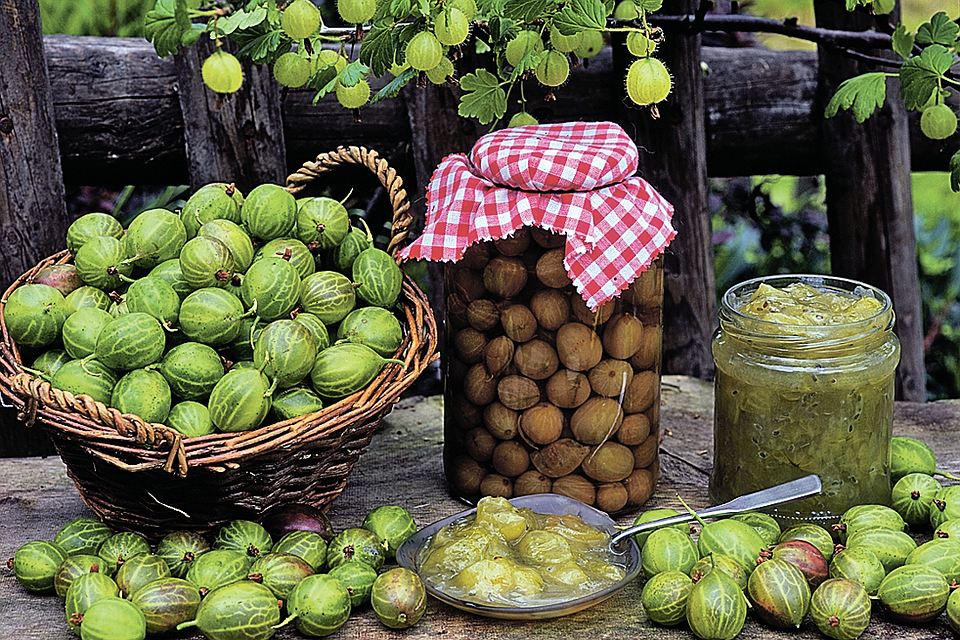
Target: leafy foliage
{"points": [[490, 79], [926, 77], [862, 95], [483, 98]]}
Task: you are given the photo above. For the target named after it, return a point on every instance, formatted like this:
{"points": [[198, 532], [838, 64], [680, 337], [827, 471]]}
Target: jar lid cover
{"points": [[573, 178]]}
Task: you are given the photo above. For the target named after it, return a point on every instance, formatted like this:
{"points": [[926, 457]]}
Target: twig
{"points": [[890, 63], [756, 24]]}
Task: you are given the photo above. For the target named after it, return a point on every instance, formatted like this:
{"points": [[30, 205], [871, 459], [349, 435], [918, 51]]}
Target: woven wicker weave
{"points": [[148, 478]]}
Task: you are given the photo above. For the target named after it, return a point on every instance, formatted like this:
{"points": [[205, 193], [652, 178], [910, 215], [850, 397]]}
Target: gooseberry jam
{"points": [[805, 384], [516, 557]]}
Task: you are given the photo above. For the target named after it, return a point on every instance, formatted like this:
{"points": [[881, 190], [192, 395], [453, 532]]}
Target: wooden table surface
{"points": [[403, 466]]}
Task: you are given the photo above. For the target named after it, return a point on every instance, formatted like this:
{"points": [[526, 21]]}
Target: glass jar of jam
{"points": [[805, 384]]}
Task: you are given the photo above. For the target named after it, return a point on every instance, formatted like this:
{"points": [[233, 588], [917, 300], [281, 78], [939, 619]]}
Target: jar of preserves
{"points": [[805, 384], [541, 393], [554, 292]]}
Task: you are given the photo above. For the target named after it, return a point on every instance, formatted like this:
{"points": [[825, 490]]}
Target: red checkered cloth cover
{"points": [[573, 178]]}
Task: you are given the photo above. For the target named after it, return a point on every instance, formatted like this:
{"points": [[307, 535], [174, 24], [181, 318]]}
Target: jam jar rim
{"points": [[751, 328]]}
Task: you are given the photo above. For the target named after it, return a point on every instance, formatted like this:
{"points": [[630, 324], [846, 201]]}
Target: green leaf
{"points": [[502, 29], [580, 15], [902, 42], [241, 20], [483, 97], [396, 9], [649, 6], [163, 26], [259, 45], [379, 48], [862, 94], [530, 61], [526, 10], [490, 8], [920, 76], [940, 30], [321, 78], [328, 74], [353, 73], [955, 171], [190, 37], [883, 7], [392, 88]]}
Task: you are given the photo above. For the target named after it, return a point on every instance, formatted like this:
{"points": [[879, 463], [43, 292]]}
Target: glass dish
{"points": [[550, 503]]}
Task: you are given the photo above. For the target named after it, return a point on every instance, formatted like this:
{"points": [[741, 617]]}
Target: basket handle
{"points": [[388, 176]]}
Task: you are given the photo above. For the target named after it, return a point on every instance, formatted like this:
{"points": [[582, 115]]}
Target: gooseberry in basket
{"points": [[35, 314]]}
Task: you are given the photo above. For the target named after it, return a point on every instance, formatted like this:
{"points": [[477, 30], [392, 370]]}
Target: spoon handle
{"points": [[787, 492]]}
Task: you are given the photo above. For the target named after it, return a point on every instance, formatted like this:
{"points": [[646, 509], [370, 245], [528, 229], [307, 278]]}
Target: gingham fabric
{"points": [[572, 178]]}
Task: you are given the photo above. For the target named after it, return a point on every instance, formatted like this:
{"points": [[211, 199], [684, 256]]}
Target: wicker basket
{"points": [[149, 478]]}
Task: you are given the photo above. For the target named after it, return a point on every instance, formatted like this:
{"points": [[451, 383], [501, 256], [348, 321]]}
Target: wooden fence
{"points": [[108, 111]]}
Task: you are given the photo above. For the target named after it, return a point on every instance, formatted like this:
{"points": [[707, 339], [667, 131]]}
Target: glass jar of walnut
{"points": [[542, 394]]}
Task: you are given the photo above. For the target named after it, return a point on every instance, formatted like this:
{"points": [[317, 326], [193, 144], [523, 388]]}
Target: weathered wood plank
{"points": [[31, 182], [673, 158], [403, 465], [118, 113], [231, 138], [869, 199]]}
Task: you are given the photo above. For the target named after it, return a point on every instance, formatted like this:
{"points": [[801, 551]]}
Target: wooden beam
{"points": [[869, 200], [231, 138], [33, 215], [119, 116], [674, 160]]}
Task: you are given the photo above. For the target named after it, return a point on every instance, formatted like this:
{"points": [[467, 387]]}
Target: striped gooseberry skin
{"points": [[399, 598], [240, 400], [859, 565], [269, 212], [211, 316], [716, 607], [35, 565], [328, 295], [840, 609], [953, 611], [780, 593], [664, 597], [805, 557], [914, 593], [733, 538], [131, 341], [35, 314]]}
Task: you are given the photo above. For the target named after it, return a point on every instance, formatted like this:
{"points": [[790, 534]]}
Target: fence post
{"points": [[869, 199], [231, 138], [33, 215], [673, 158]]}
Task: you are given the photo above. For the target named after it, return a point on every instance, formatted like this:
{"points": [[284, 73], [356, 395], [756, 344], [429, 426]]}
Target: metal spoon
{"points": [[786, 492]]}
